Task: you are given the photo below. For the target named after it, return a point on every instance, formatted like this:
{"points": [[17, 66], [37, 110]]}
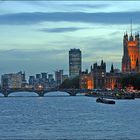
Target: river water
{"points": [[60, 116]]}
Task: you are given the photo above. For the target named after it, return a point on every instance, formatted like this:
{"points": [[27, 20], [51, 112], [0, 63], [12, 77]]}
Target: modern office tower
{"points": [[75, 63], [58, 77], [131, 53]]}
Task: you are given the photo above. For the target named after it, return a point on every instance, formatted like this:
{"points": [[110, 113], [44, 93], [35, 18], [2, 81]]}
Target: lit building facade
{"points": [[95, 79], [131, 53], [75, 62], [98, 78], [99, 75], [113, 79], [13, 80], [86, 80]]}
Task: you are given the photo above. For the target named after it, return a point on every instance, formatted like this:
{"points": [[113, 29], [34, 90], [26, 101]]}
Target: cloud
{"points": [[33, 61], [59, 30], [43, 60], [90, 5], [30, 53], [38, 17]]}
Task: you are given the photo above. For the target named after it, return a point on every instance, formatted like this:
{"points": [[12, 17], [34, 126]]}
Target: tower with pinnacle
{"points": [[131, 53]]}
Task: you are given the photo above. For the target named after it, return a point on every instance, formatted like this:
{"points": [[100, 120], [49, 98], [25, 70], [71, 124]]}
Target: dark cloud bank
{"points": [[59, 30], [37, 17]]}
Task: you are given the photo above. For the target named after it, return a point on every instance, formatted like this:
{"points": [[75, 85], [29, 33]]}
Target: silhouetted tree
{"points": [[133, 80], [70, 83]]}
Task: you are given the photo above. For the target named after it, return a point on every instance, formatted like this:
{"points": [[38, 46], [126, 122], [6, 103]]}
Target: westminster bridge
{"points": [[71, 92]]}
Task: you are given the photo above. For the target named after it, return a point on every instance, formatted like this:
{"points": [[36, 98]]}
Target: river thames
{"points": [[60, 116]]}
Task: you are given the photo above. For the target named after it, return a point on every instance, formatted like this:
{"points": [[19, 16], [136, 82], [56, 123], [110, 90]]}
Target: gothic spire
{"points": [[131, 27], [112, 69]]}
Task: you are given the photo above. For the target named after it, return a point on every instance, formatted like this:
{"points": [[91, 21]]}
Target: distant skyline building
{"points": [[13, 80], [58, 77], [131, 53], [75, 62], [38, 76], [44, 75], [31, 80], [43, 79]]}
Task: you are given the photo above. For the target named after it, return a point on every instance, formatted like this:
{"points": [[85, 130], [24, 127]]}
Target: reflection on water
{"points": [[60, 116]]}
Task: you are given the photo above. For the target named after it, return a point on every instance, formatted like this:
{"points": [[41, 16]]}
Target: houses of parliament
{"points": [[131, 53], [99, 78]]}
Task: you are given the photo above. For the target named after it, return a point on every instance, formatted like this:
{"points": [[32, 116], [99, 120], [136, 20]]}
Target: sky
{"points": [[36, 36]]}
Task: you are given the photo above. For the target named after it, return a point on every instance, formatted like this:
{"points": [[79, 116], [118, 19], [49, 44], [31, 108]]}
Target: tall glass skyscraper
{"points": [[75, 62]]}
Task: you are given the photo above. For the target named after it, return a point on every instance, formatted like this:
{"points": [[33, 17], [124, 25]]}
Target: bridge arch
{"points": [[71, 92], [56, 93], [22, 94], [1, 94]]}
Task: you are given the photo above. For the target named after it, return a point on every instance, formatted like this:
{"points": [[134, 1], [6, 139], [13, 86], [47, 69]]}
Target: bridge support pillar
{"points": [[5, 95], [41, 94], [72, 94]]}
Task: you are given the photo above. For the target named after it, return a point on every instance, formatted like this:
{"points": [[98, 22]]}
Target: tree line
{"points": [[70, 83], [131, 80]]}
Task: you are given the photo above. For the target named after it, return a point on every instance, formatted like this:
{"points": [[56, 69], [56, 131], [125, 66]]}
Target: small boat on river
{"points": [[105, 101]]}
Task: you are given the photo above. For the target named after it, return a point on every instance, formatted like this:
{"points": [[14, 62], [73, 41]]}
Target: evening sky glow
{"points": [[36, 36]]}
